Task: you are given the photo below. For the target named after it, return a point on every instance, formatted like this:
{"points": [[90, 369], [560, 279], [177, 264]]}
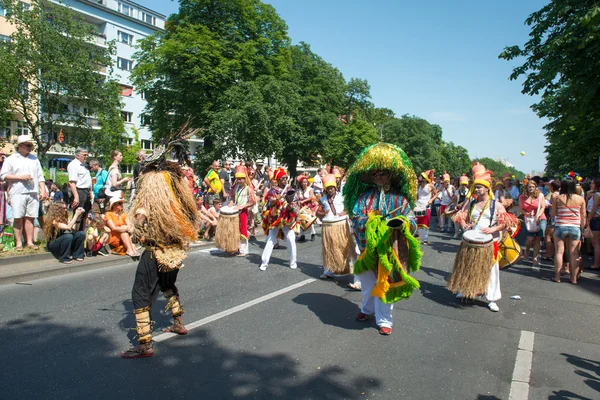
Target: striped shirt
{"points": [[568, 216]]}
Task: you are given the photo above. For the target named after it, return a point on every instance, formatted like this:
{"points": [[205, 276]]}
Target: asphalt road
{"points": [[61, 337]]}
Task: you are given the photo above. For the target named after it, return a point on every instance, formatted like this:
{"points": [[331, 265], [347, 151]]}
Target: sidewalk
{"points": [[18, 269]]}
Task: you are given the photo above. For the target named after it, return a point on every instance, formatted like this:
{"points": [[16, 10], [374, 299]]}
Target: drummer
{"points": [[426, 195], [459, 198], [306, 198], [488, 216], [279, 218], [242, 199]]}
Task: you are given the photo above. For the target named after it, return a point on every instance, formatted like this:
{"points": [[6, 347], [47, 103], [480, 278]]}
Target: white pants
{"points": [[424, 234], [493, 290], [290, 238], [243, 246], [373, 305]]}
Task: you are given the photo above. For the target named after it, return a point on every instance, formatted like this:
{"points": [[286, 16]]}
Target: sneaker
{"points": [[293, 266], [456, 236], [263, 267], [103, 252], [325, 276], [362, 316], [493, 307], [385, 330]]}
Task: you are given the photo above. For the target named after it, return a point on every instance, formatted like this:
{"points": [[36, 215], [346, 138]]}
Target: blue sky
{"points": [[435, 59]]}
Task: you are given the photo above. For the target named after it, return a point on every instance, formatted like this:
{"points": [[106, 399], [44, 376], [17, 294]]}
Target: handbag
{"points": [[587, 232], [532, 224]]}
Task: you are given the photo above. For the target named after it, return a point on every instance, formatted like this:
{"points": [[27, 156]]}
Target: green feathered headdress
{"points": [[380, 156]]}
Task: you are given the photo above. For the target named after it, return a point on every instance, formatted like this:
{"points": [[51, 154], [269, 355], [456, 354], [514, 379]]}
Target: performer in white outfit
{"points": [[426, 194], [306, 198], [489, 217], [447, 192]]}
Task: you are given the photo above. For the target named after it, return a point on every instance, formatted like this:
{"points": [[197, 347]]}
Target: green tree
{"points": [[454, 159], [208, 47], [343, 146], [561, 65], [500, 169], [51, 76]]}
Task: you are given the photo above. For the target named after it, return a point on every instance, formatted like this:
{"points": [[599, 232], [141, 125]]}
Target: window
{"points": [[4, 38], [22, 128], [125, 9], [3, 11], [126, 90], [147, 144], [148, 18], [125, 38], [24, 90], [24, 6], [127, 116], [125, 64], [143, 95], [5, 130], [145, 120]]}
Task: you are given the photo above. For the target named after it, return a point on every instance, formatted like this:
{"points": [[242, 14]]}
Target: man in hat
{"points": [[279, 218], [242, 198], [23, 173], [426, 195], [459, 198]]}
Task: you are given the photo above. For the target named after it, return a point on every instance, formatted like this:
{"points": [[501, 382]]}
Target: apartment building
{"points": [[125, 22]]}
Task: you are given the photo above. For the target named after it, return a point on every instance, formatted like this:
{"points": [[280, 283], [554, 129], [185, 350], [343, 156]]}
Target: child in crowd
{"points": [[96, 237]]}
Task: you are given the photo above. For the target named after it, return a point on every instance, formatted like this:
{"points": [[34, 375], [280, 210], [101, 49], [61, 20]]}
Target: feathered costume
{"points": [[381, 220], [166, 220]]}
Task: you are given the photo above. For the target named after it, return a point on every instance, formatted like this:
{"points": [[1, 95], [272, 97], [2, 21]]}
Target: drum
{"points": [[509, 251], [306, 218], [227, 236], [420, 211], [472, 265], [450, 210], [338, 245]]}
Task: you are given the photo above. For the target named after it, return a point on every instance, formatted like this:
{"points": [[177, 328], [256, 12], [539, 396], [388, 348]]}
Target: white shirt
{"points": [[16, 164], [447, 195], [317, 182], [423, 196], [338, 204], [79, 174]]}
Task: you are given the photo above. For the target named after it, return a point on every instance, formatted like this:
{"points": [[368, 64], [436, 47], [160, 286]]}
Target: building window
{"points": [[126, 91], [145, 120], [5, 130], [125, 9], [4, 38], [148, 18], [24, 90], [24, 6], [125, 64], [147, 144], [22, 128], [127, 116], [143, 95], [125, 38], [3, 11]]}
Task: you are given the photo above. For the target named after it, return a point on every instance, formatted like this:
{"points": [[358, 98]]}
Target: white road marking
{"points": [[519, 387], [165, 336]]}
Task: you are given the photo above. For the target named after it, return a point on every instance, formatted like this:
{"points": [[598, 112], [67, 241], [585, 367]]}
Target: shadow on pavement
{"points": [[43, 359], [333, 310], [588, 369]]}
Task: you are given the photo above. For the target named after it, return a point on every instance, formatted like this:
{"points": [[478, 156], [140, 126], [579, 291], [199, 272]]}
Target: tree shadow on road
{"points": [[588, 369], [44, 359], [333, 310]]}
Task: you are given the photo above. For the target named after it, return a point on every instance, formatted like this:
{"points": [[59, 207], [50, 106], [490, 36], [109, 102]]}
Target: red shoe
{"points": [[140, 351], [385, 330], [362, 316]]}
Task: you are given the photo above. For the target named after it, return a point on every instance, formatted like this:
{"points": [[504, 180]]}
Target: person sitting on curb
{"points": [[121, 229], [64, 244]]}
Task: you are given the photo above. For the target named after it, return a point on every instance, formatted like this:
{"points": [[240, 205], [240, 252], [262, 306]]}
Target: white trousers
{"points": [[243, 246], [373, 305], [290, 238], [424, 234], [493, 290]]}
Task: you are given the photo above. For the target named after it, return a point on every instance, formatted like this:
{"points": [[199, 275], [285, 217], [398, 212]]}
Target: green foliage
{"points": [[500, 169], [561, 64], [51, 63]]}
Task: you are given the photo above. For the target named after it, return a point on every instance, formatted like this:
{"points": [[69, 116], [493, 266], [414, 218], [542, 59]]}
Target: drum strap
{"points": [[330, 201], [492, 210]]}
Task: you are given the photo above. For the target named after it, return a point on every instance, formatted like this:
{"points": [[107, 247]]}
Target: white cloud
{"points": [[446, 116]]}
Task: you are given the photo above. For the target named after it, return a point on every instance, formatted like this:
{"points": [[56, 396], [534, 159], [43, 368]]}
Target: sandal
{"points": [[178, 329], [555, 280], [354, 286], [33, 247]]}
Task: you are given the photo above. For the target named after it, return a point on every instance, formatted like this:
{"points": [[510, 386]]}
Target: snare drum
{"points": [[306, 218], [472, 265], [420, 211], [450, 210]]}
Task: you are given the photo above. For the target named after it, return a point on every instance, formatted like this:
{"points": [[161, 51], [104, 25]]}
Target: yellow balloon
{"points": [[522, 153]]}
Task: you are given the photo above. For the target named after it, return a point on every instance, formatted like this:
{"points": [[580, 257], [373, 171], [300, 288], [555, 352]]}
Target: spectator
{"points": [[532, 204], [214, 183], [139, 157], [23, 173], [55, 193], [225, 177], [62, 242], [115, 181], [554, 188], [121, 229], [80, 182], [96, 237], [99, 188], [569, 210], [2, 196], [593, 220]]}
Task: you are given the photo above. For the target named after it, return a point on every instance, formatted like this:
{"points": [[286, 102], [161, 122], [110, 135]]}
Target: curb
{"points": [[97, 262]]}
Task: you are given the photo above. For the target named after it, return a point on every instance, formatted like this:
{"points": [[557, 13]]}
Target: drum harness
{"points": [[492, 210]]}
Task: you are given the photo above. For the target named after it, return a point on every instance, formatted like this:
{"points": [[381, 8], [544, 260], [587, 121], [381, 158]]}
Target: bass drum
{"points": [[509, 251]]}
